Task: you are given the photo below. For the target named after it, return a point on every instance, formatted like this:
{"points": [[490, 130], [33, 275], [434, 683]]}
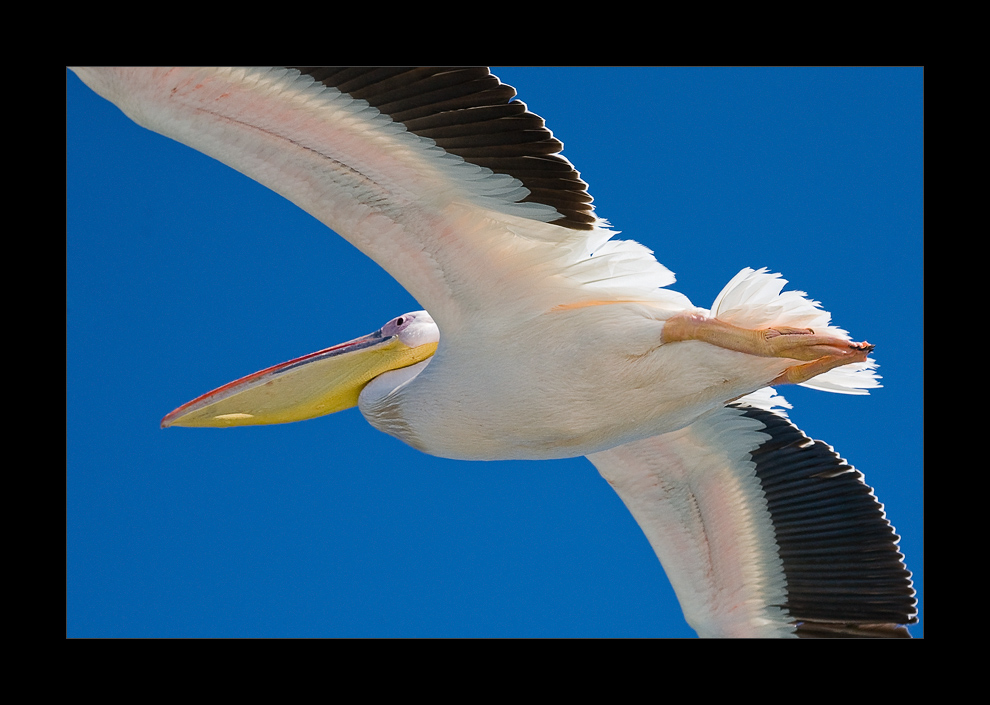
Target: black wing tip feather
{"points": [[830, 630], [845, 575], [468, 112]]}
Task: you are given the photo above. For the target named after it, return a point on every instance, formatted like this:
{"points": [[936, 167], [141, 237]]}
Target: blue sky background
{"points": [[182, 275]]}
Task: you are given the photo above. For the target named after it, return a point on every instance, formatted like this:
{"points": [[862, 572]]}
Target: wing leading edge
{"points": [[449, 184]]}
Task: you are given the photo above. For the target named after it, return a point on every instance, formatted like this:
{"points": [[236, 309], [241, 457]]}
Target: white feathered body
{"points": [[564, 384]]}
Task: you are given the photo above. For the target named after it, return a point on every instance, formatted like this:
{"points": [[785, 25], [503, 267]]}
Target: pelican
{"points": [[546, 338]]}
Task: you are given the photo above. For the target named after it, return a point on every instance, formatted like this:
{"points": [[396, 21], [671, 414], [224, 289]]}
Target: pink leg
{"points": [[821, 352]]}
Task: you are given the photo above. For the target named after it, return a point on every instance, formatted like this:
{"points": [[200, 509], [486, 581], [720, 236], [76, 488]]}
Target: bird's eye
{"points": [[400, 320]]}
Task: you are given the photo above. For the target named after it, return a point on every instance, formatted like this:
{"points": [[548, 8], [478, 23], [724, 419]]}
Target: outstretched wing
{"points": [[763, 531], [453, 187]]}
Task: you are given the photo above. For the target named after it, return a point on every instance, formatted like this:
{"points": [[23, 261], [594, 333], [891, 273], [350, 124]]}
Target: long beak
{"points": [[309, 386]]}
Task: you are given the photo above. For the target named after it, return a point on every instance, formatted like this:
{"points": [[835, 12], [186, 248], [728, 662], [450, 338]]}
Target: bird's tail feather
{"points": [[755, 299]]}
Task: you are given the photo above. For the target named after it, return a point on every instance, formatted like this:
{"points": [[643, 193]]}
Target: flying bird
{"points": [[547, 337]]}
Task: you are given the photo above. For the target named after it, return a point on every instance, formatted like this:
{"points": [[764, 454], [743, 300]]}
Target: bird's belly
{"points": [[540, 413]]}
